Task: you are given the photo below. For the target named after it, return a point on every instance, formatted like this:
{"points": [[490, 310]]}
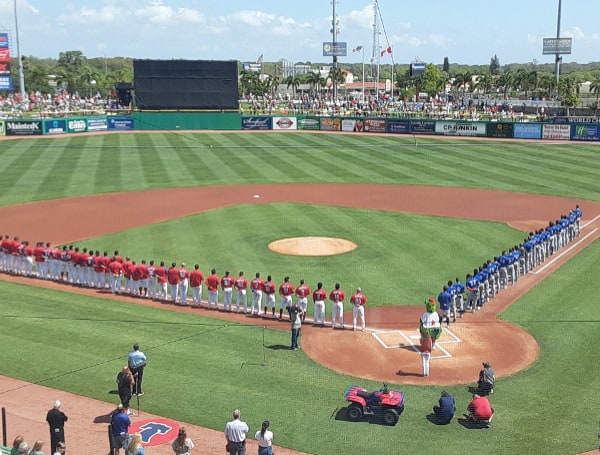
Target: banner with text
{"points": [[76, 125], [450, 128], [257, 123], [97, 124], [556, 132], [120, 123], [285, 123], [308, 123], [55, 126], [375, 125], [528, 131], [6, 82], [422, 126], [500, 130], [353, 124], [23, 127], [398, 126], [585, 132]]}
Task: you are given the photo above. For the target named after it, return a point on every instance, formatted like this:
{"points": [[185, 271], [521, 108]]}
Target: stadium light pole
{"points": [[557, 58], [21, 75]]}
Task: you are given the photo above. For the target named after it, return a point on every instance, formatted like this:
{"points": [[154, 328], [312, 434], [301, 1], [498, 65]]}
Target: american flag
{"points": [[357, 49]]}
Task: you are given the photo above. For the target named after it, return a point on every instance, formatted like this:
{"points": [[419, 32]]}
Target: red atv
{"points": [[384, 404]]}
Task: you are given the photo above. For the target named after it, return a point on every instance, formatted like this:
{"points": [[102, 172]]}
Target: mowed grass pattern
{"points": [[548, 408]]}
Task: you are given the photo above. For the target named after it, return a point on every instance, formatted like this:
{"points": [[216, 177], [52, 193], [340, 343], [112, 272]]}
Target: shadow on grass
{"points": [[342, 415], [433, 419], [408, 373], [278, 347], [472, 425]]}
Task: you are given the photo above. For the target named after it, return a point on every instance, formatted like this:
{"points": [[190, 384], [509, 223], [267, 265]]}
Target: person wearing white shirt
{"points": [[264, 436]]}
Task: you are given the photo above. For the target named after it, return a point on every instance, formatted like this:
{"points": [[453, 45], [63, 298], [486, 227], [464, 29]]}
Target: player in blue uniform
{"points": [[445, 301]]}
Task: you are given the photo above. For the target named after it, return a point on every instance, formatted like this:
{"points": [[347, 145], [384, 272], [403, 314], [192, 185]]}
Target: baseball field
{"points": [[202, 367]]}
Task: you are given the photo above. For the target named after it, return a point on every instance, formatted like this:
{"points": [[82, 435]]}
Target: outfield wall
{"points": [[566, 129]]}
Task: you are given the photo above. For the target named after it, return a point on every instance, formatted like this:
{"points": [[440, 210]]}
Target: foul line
{"points": [[556, 258]]}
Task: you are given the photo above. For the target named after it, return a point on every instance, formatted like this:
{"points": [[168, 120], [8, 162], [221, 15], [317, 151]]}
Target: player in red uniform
{"points": [[161, 282], [173, 279], [286, 291], [227, 286], [269, 288], [38, 256], [184, 280], [358, 299], [256, 285], [302, 292], [196, 279], [241, 284], [337, 296], [141, 272], [212, 284], [116, 269], [128, 275], [319, 297]]}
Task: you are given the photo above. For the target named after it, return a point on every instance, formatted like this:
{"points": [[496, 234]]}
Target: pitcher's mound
{"points": [[312, 246]]}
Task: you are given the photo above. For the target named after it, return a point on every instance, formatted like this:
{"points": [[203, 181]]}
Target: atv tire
{"points": [[355, 412], [390, 417]]}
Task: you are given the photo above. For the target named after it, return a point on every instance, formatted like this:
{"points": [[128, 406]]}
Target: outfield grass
{"points": [[549, 408]]}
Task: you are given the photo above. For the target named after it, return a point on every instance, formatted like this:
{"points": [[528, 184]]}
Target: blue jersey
{"points": [[445, 300], [472, 283]]}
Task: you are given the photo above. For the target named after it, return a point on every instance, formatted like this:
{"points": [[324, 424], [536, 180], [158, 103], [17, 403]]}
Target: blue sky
{"points": [[468, 32]]}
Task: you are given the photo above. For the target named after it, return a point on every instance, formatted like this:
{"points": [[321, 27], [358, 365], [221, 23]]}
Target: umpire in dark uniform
{"points": [[56, 420]]}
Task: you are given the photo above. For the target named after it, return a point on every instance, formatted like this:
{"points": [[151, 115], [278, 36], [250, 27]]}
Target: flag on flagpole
{"points": [[357, 49], [386, 51], [259, 59]]}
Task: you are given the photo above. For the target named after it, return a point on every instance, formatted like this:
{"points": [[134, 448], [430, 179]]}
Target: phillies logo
{"points": [[155, 431]]}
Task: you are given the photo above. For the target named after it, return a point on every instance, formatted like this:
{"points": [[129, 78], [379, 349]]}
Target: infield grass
{"points": [[200, 369]]}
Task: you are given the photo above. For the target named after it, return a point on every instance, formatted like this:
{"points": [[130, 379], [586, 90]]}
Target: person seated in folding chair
{"points": [[486, 381]]}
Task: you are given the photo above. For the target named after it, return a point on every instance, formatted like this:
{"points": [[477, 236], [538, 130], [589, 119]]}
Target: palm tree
{"points": [[294, 82], [506, 81], [595, 86]]}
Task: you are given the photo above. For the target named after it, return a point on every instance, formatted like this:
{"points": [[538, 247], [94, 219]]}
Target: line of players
{"points": [[494, 275], [91, 269]]}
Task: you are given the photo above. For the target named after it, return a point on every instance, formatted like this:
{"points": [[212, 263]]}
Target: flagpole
{"points": [[363, 75]]}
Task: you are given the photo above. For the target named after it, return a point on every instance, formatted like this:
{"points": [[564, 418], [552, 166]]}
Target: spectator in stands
{"points": [[15, 446]]}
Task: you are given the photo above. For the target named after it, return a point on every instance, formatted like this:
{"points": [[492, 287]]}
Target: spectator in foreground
{"points": [[480, 411], [183, 444], [446, 409]]}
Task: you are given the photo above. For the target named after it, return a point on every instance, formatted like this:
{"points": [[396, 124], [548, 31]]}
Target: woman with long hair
{"points": [[135, 446], [264, 436], [37, 448], [182, 445]]}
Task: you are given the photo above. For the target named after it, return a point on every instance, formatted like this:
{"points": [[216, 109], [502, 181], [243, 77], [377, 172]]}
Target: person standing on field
{"points": [[337, 296], [184, 279], [269, 288], [161, 282], [196, 279], [136, 361], [212, 284], [235, 434], [173, 279], [286, 290], [56, 420], [319, 297], [302, 292], [241, 284], [358, 300], [256, 285], [227, 287]]}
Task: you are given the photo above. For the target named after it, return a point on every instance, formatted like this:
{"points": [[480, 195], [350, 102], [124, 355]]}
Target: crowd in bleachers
{"points": [[504, 270]]}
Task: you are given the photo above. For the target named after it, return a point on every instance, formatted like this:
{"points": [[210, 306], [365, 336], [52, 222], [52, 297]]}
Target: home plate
{"points": [[415, 337], [256, 196]]}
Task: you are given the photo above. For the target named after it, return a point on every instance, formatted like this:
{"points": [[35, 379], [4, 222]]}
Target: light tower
{"points": [[335, 23], [21, 75]]}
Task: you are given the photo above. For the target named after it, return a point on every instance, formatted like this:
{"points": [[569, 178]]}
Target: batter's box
{"points": [[394, 339]]}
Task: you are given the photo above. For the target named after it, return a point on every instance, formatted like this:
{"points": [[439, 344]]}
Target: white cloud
{"points": [[33, 9], [361, 18]]}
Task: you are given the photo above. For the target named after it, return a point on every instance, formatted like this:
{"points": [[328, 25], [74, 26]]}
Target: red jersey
{"points": [[241, 283], [75, 256], [84, 259], [184, 274], [212, 282], [302, 291], [319, 295], [127, 269], [38, 253], [196, 278], [269, 287], [337, 295], [358, 299], [161, 275], [480, 408], [286, 289], [257, 284], [115, 268], [227, 282], [105, 262], [98, 264], [173, 276]]}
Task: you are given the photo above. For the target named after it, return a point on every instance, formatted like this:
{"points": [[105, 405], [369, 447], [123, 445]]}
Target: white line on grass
{"points": [[541, 269]]}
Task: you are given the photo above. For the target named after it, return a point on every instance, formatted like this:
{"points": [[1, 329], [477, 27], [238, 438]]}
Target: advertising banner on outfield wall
{"points": [[97, 124], [422, 126], [353, 124], [76, 125], [398, 126], [23, 127], [502, 130], [556, 132], [528, 130], [450, 128], [55, 126], [120, 123], [2, 127], [331, 124], [585, 132], [257, 123], [308, 123], [375, 125], [285, 123]]}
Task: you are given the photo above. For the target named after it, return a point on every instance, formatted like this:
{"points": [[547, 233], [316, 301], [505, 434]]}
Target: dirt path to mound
{"points": [[384, 351]]}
